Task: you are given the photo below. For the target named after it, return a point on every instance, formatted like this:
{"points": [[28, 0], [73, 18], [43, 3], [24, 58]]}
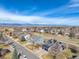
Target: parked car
{"points": [[10, 43], [75, 57], [24, 56], [13, 46]]}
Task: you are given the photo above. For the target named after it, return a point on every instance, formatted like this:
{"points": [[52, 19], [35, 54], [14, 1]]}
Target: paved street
{"points": [[22, 50]]}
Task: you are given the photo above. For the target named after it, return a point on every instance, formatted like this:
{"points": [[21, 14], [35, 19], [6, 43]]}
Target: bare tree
{"points": [[71, 34], [55, 49]]}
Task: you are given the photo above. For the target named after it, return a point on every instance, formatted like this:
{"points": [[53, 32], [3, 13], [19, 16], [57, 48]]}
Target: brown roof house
{"points": [[56, 48]]}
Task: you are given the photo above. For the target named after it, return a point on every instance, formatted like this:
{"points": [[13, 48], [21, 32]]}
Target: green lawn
{"points": [[68, 53], [3, 46], [8, 56], [23, 42], [47, 56]]}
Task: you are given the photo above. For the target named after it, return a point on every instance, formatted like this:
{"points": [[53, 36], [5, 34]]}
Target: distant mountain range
{"points": [[27, 24]]}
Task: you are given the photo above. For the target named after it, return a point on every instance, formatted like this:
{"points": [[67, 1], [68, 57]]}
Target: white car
{"points": [[24, 56]]}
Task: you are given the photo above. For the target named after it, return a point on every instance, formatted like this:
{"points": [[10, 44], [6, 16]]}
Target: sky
{"points": [[59, 12]]}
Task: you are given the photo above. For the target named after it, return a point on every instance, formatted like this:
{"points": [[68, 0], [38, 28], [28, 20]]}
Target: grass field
{"points": [[47, 56], [4, 46], [8, 56]]}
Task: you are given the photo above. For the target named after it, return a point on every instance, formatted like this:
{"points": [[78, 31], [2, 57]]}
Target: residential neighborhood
{"points": [[39, 29], [39, 44]]}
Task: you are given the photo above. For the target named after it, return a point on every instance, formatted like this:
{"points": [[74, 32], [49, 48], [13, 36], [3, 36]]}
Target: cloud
{"points": [[10, 16], [50, 11], [74, 3], [64, 11], [29, 11], [58, 21], [6, 15]]}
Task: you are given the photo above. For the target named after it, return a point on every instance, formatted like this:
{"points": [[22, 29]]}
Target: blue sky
{"points": [[64, 12]]}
